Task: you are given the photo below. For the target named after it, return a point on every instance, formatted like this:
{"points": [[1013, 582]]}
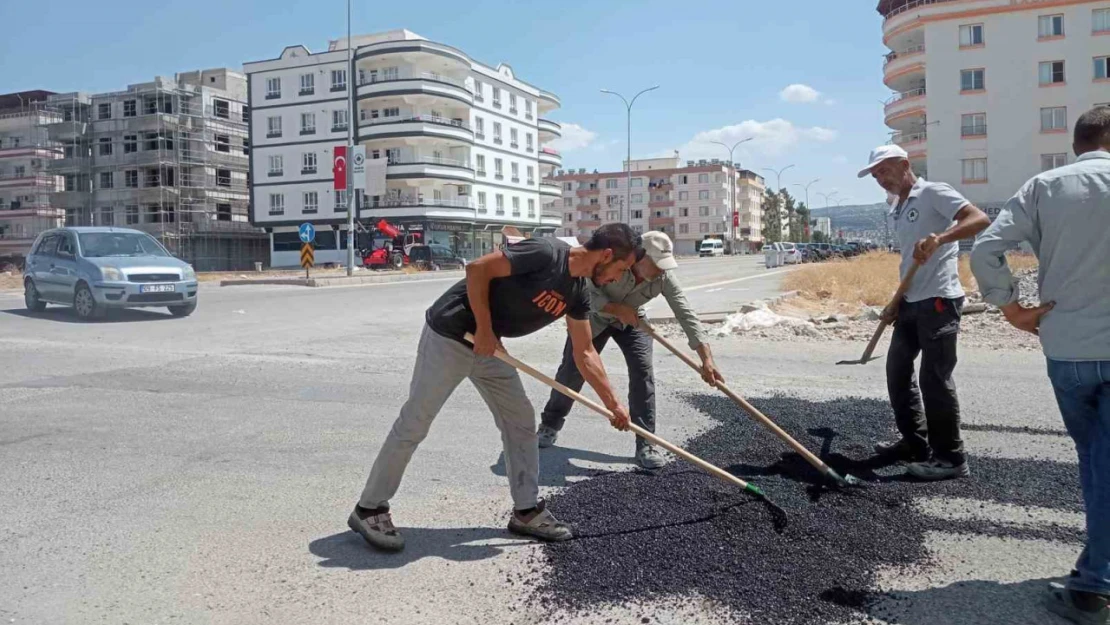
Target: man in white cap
{"points": [[616, 309], [929, 218]]}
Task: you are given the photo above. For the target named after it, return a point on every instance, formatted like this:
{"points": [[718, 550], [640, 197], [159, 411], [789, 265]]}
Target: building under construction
{"points": [[26, 185], [169, 157]]}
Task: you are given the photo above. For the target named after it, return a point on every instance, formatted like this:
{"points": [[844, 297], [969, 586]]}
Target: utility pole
{"points": [[778, 175], [628, 163], [352, 203], [732, 190]]}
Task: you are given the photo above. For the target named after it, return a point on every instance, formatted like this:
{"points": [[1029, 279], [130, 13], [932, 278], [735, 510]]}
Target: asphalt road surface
{"points": [[200, 470]]}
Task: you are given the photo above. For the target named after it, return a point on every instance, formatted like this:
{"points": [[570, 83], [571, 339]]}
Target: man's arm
{"points": [[970, 221], [1013, 225], [593, 370], [691, 325], [478, 276]]}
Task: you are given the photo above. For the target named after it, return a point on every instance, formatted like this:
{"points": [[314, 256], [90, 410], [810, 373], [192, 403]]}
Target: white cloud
{"points": [[574, 137], [799, 94], [771, 138]]}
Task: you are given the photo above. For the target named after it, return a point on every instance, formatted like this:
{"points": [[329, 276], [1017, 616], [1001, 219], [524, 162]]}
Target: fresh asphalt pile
{"points": [[681, 533]]}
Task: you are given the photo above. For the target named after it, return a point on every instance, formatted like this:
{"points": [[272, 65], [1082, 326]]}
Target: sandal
{"points": [[543, 526]]}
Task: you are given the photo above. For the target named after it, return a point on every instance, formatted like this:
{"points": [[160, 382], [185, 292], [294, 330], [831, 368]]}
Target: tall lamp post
{"points": [[778, 174], [827, 196], [628, 163], [732, 190], [352, 203], [805, 226]]}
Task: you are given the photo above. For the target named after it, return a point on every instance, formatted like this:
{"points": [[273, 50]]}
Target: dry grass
{"points": [[13, 281], [869, 279]]}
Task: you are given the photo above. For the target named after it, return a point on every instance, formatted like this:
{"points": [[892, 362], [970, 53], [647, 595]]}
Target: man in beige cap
{"points": [[616, 309]]}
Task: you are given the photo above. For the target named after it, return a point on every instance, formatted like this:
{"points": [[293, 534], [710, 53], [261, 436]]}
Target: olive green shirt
{"points": [[625, 291]]}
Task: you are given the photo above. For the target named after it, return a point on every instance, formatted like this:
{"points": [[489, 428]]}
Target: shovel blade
{"points": [[858, 362]]}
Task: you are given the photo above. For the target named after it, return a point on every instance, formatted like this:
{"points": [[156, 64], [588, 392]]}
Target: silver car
{"points": [[97, 269]]}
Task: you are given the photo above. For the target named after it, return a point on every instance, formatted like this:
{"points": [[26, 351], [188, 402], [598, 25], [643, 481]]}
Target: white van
{"points": [[711, 247]]}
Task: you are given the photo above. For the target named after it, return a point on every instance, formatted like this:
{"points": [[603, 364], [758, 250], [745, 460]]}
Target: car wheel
{"points": [[184, 310], [31, 297], [84, 304], [398, 261]]}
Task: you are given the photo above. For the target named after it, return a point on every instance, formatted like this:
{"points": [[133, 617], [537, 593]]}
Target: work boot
{"points": [[648, 457], [542, 525], [376, 526], [936, 469], [1084, 608], [547, 436], [900, 451]]}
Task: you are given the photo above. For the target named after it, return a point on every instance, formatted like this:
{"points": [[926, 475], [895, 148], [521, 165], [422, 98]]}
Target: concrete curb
{"points": [[720, 316], [345, 280]]}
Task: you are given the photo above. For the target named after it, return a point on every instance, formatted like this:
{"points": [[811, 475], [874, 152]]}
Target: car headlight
{"points": [[111, 273], [190, 273]]}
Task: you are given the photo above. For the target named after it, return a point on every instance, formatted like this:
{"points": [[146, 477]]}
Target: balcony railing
{"points": [[369, 79], [905, 95], [427, 159], [897, 8], [388, 202], [431, 119], [906, 139], [551, 151], [893, 56]]}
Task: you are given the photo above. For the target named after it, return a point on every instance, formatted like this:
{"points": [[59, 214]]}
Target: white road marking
{"points": [[733, 281]]}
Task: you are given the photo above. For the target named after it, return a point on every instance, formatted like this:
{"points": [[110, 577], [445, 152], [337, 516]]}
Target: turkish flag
{"points": [[339, 167], [735, 220]]}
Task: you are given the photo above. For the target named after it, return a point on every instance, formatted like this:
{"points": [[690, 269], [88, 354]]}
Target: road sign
{"points": [[339, 167], [358, 167], [307, 232], [308, 257]]}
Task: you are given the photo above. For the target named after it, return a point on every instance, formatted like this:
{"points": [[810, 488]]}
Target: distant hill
{"points": [[856, 219]]}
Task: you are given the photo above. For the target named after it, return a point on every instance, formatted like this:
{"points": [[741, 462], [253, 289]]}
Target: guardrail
{"points": [[907, 52], [431, 119], [410, 75], [911, 5], [905, 95]]}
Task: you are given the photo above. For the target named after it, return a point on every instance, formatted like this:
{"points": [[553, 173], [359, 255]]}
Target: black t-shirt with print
{"points": [[539, 290]]}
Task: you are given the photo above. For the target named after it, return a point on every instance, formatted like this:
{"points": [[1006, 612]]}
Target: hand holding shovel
{"points": [[889, 315]]}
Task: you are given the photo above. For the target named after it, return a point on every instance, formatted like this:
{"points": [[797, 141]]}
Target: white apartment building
{"points": [[987, 91], [26, 185], [465, 144], [690, 203], [824, 226]]}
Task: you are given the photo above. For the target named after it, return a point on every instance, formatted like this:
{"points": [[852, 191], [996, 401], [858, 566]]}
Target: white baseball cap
{"points": [[659, 247], [882, 153]]}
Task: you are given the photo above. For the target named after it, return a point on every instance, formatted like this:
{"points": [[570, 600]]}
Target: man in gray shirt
{"points": [[1064, 214], [615, 313], [929, 219]]}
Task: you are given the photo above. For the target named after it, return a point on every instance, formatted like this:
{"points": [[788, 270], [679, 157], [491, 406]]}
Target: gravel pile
{"points": [[681, 533]]}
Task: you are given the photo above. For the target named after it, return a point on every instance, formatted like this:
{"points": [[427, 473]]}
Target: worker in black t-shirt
{"points": [[507, 293]]}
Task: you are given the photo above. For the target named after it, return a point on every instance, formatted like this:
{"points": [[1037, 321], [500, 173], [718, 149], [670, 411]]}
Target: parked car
{"points": [[791, 254], [711, 247], [97, 269], [435, 257]]}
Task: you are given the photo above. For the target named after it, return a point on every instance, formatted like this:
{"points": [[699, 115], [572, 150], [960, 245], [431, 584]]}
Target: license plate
{"points": [[156, 288]]}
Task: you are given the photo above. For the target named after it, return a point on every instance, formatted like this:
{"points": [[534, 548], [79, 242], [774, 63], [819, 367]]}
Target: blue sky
{"points": [[722, 66]]}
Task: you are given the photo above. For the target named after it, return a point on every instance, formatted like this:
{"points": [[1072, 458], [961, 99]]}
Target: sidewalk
{"points": [[362, 277]]}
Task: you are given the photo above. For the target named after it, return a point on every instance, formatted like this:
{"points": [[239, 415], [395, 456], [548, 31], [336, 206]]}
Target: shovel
{"points": [[826, 470], [903, 286], [777, 513]]}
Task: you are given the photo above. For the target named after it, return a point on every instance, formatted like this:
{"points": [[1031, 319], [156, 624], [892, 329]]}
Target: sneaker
{"points": [[547, 436], [648, 457], [900, 450], [543, 525], [938, 470], [1084, 608], [376, 528]]}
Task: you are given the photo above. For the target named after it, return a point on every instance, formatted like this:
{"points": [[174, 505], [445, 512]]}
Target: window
{"points": [[1100, 21], [703, 195], [683, 228], [684, 212], [221, 109], [516, 206], [568, 202], [1052, 161], [1101, 67], [311, 202], [341, 201], [338, 80], [512, 103], [637, 214], [104, 110], [683, 195], [1049, 26], [129, 109], [223, 212], [611, 183], [527, 108], [392, 111], [131, 214], [479, 128], [339, 120], [568, 186], [105, 180], [277, 165], [637, 182], [223, 144], [481, 201], [975, 169], [105, 216], [683, 179], [131, 178], [513, 143], [971, 35], [273, 127], [130, 143], [703, 227], [223, 178], [308, 123], [496, 97], [479, 88], [703, 211], [392, 155], [637, 198], [531, 175], [277, 204], [703, 178], [499, 202], [273, 88], [153, 178], [1052, 73], [246, 114], [389, 73], [528, 146], [150, 106], [308, 163], [105, 146], [497, 169], [480, 164], [1054, 119], [308, 84], [497, 132], [973, 125], [972, 80], [515, 169]]}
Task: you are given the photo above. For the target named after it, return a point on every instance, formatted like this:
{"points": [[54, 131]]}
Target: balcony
{"points": [[905, 104], [550, 156], [66, 131], [904, 65], [590, 192], [588, 223], [660, 203], [415, 126], [902, 15], [415, 83], [551, 189], [914, 143], [42, 182], [548, 102], [419, 205], [548, 129], [31, 151], [657, 222], [665, 186]]}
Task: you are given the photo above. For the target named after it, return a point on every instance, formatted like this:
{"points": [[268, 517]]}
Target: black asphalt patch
{"points": [[680, 532]]}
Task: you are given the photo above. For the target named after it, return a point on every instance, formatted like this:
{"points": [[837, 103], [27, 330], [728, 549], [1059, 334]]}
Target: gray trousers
{"points": [[441, 365]]}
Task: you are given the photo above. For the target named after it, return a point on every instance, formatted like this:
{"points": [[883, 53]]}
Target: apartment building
{"points": [[169, 157], [465, 144], [26, 185], [690, 202], [987, 91]]}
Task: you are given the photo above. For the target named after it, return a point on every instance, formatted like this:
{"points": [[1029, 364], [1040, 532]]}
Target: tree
{"points": [[819, 237], [799, 229], [789, 215], [772, 217]]}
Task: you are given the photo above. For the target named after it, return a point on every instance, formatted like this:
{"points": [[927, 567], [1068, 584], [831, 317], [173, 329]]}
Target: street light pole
{"points": [[806, 187], [628, 162], [778, 175], [827, 196], [732, 189], [352, 205]]}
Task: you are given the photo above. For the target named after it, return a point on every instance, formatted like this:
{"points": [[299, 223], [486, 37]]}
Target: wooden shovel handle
{"points": [[903, 286]]}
